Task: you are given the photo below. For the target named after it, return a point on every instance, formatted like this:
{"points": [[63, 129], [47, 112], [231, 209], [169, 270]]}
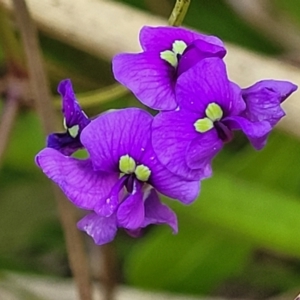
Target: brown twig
{"points": [[108, 275], [41, 92], [7, 122]]}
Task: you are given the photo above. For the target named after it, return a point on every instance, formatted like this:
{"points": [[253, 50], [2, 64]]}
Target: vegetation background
{"points": [[239, 239]]}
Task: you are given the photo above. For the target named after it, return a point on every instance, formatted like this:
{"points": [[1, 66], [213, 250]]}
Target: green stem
{"points": [[178, 13], [97, 97]]}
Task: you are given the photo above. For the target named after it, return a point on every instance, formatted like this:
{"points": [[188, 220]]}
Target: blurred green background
{"points": [[241, 238]]}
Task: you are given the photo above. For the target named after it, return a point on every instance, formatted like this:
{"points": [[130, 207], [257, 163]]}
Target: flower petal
{"points": [[102, 230], [117, 133], [205, 83], [256, 132], [150, 78], [158, 213], [71, 109], [64, 143], [173, 186], [134, 233], [74, 118], [196, 51], [202, 150], [263, 100], [108, 207], [131, 212], [172, 132], [162, 37], [77, 179]]}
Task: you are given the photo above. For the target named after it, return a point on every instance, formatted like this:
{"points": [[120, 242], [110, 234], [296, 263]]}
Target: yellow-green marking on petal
{"points": [[142, 172], [214, 112], [179, 47], [203, 125], [74, 131], [170, 56], [127, 164]]}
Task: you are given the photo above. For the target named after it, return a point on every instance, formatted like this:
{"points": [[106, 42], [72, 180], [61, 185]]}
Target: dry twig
{"points": [[41, 92]]}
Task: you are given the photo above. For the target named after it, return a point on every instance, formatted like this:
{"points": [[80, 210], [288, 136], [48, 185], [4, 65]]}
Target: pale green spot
{"points": [[203, 125], [179, 47], [74, 131], [126, 164], [214, 112], [170, 57], [142, 172]]}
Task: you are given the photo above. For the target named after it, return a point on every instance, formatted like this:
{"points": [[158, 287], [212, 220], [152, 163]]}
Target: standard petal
{"points": [[150, 78], [263, 100], [162, 37], [102, 230], [158, 213], [117, 133], [172, 132], [74, 119], [205, 83], [82, 185], [74, 116], [202, 150], [256, 132], [131, 212]]}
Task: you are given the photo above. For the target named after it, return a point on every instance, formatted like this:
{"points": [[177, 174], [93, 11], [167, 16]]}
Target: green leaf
{"points": [[194, 261], [255, 213], [275, 166]]}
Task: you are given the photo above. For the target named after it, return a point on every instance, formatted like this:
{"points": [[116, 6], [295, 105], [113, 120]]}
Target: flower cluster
{"points": [[133, 156]]}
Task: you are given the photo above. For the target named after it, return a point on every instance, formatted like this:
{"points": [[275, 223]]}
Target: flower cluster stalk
{"points": [[178, 13]]}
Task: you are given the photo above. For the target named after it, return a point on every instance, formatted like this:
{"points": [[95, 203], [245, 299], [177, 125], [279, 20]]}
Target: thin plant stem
{"points": [[97, 97], [108, 275], [41, 92], [178, 13]]}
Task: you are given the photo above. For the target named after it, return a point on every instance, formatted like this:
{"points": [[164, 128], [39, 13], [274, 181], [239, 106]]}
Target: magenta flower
{"points": [[168, 53], [210, 108], [120, 179], [74, 121]]}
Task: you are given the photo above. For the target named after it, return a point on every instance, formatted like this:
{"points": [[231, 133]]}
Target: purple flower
{"points": [[263, 100], [210, 108], [168, 53], [120, 179], [74, 121]]}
